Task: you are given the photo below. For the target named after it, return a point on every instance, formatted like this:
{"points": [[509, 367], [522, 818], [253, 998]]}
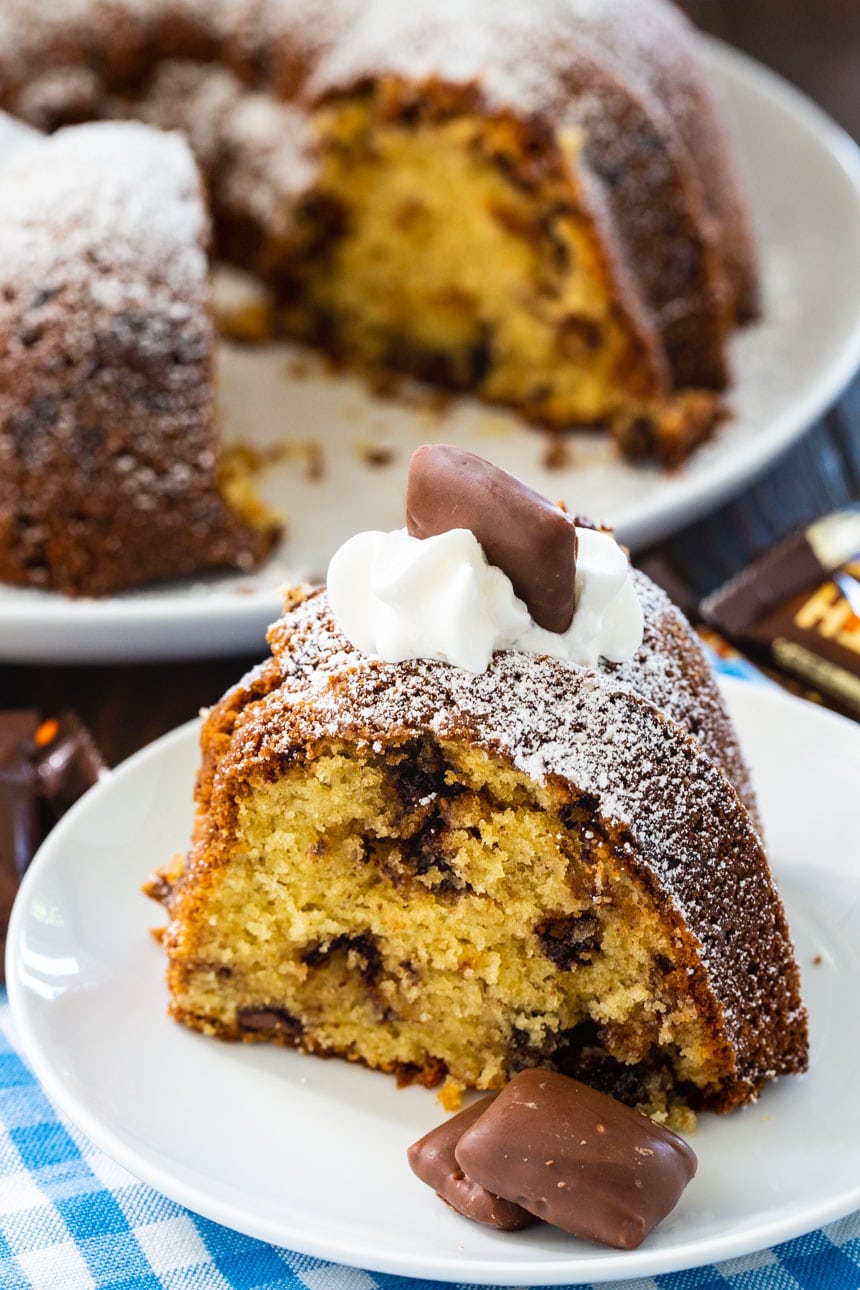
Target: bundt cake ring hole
{"points": [[512, 940]]}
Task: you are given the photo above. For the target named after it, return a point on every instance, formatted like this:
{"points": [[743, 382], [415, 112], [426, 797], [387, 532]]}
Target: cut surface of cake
{"points": [[450, 871], [533, 202], [110, 467]]}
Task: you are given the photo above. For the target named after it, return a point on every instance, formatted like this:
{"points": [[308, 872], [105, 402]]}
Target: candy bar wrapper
{"points": [[816, 636], [798, 608]]}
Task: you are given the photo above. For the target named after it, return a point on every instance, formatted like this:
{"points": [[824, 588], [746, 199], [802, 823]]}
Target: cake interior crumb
{"points": [[384, 908]]}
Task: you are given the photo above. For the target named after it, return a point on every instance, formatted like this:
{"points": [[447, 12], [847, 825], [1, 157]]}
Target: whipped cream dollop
{"points": [[401, 597]]}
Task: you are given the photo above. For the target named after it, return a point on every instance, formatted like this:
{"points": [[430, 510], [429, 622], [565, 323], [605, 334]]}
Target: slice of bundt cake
{"points": [[532, 201], [441, 839], [110, 468]]}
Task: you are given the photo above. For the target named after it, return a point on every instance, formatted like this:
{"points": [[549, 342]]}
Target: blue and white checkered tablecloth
{"points": [[72, 1219]]}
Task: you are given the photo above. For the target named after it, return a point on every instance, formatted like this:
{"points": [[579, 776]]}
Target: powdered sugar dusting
{"points": [[81, 203], [679, 823], [533, 707], [254, 148], [107, 410], [624, 72]]}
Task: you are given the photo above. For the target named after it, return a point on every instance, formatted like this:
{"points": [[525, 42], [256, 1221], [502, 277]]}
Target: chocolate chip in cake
{"points": [[418, 776], [524, 1052], [275, 1021], [362, 950], [424, 856], [570, 939], [426, 850], [377, 457], [582, 809], [582, 1053], [578, 335], [480, 359], [427, 859]]}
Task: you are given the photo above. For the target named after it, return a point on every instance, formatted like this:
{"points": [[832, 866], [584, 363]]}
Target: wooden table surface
{"points": [[815, 43]]}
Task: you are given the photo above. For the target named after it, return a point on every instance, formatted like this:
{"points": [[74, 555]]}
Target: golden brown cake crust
{"points": [[627, 73], [599, 738], [250, 81], [551, 63], [109, 458]]}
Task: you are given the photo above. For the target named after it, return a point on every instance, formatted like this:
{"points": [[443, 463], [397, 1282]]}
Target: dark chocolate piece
{"points": [[522, 533], [577, 1158], [275, 1020], [798, 607], [797, 563], [432, 1160], [816, 637], [44, 769], [66, 761], [19, 822]]}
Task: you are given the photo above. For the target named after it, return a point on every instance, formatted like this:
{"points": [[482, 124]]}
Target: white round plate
{"points": [[804, 177], [311, 1154]]}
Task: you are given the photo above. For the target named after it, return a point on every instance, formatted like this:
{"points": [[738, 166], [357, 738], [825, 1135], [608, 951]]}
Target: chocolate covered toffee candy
{"points": [[19, 823], [44, 768], [432, 1160], [577, 1158], [522, 533], [66, 761]]}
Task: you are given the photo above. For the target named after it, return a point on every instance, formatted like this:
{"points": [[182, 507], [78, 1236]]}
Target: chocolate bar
{"points": [[432, 1160], [521, 532], [20, 831], [44, 768], [19, 820], [798, 607], [66, 761], [577, 1158]]}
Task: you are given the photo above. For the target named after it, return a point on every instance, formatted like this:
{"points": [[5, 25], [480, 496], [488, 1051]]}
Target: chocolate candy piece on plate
{"points": [[577, 1158], [19, 820], [20, 834], [432, 1160], [522, 533], [44, 768], [66, 761]]}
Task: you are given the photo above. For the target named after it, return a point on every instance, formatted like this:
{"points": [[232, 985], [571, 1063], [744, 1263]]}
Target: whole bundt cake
{"points": [[110, 465], [531, 201], [444, 871]]}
